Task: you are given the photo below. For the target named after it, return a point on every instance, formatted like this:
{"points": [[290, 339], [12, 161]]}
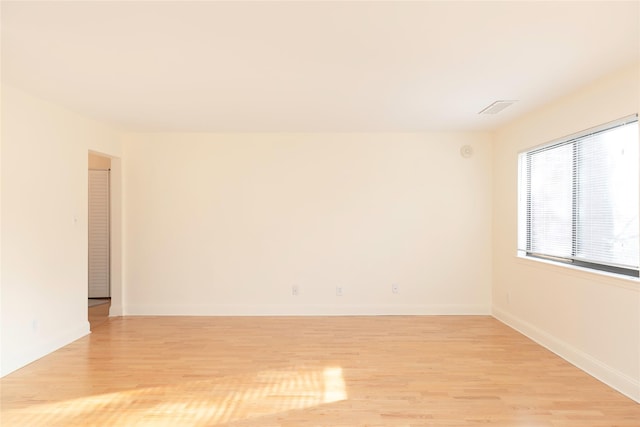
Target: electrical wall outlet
{"points": [[295, 290], [395, 288], [338, 291]]}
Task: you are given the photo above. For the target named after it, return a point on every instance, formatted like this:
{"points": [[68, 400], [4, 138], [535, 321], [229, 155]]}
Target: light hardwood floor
{"points": [[308, 371]]}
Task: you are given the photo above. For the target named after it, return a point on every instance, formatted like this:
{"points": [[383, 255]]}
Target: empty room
{"points": [[320, 213]]}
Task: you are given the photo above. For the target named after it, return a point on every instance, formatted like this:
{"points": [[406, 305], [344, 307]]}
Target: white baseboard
{"points": [[34, 353], [615, 379], [304, 310]]}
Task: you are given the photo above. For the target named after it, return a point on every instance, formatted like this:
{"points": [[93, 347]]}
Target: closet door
{"points": [[99, 234]]}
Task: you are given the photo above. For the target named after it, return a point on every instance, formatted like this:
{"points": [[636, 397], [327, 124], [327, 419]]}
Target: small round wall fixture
{"points": [[466, 151]]}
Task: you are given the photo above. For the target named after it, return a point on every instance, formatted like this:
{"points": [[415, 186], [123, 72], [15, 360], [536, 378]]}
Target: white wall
{"points": [[44, 225], [1, 222], [590, 319], [222, 224]]}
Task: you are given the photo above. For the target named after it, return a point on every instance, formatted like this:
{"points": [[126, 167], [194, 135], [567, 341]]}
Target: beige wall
{"points": [[592, 320], [44, 225], [226, 224], [99, 162]]}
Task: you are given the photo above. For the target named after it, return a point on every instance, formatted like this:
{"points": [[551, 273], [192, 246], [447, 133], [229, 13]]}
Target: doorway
{"points": [[99, 233]]}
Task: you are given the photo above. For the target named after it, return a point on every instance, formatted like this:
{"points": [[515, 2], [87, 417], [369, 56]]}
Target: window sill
{"points": [[602, 277]]}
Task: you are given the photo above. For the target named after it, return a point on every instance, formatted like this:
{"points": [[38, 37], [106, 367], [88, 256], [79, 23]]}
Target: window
{"points": [[578, 199]]}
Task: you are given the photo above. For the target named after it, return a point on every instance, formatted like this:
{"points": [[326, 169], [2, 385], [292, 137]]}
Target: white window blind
{"points": [[578, 199]]}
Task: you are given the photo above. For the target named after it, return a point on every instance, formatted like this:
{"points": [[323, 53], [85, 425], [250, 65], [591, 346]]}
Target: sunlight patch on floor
{"points": [[334, 388], [194, 403]]}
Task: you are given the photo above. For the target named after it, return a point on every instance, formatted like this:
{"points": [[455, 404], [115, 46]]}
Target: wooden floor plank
{"points": [[308, 371]]}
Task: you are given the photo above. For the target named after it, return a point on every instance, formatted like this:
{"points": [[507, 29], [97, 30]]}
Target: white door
{"points": [[99, 234]]}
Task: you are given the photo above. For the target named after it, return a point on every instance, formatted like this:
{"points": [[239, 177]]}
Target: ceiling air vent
{"points": [[497, 106]]}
